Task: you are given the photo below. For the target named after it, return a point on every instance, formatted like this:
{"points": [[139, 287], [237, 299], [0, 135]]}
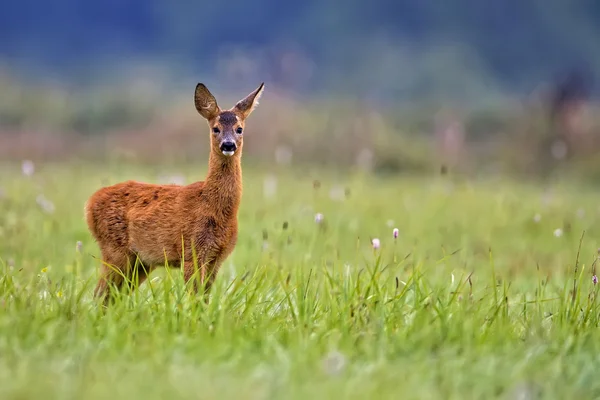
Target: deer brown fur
{"points": [[153, 224]]}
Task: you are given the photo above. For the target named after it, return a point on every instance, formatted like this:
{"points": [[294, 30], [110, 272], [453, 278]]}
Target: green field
{"points": [[479, 297]]}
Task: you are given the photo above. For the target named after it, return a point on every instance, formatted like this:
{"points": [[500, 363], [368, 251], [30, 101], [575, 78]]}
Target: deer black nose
{"points": [[228, 147]]}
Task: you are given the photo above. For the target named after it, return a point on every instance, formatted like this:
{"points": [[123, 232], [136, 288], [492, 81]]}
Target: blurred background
{"points": [[404, 86]]}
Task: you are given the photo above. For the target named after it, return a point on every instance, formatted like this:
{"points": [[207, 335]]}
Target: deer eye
{"points": [[239, 130], [216, 130]]}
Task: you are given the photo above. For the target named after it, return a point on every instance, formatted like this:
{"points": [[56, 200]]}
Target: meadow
{"points": [[489, 291]]}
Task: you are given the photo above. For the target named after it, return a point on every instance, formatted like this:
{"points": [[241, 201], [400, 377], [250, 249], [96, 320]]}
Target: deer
{"points": [[142, 226]]}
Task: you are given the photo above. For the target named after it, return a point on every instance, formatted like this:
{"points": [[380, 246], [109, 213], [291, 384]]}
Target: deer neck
{"points": [[223, 183]]}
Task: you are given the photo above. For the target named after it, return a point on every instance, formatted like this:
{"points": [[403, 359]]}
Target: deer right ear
{"points": [[205, 102], [249, 103]]}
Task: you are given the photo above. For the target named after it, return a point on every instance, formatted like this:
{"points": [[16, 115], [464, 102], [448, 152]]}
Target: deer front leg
{"points": [[191, 271], [195, 271], [203, 276], [212, 269]]}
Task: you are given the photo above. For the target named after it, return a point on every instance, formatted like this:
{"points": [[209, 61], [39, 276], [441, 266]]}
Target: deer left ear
{"points": [[205, 102], [249, 103]]}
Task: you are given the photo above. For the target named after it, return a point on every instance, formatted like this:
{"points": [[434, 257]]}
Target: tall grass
{"points": [[486, 293]]}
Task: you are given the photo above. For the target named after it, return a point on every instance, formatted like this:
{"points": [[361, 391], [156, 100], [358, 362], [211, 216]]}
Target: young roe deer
{"points": [[155, 223]]}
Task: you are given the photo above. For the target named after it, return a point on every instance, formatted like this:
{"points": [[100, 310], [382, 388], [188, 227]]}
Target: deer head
{"points": [[227, 126]]}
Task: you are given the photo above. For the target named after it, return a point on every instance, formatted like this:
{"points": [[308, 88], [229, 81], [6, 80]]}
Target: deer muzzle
{"points": [[228, 148]]}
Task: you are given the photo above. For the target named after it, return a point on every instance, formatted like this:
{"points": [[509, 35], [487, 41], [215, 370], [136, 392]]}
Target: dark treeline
{"points": [[381, 44]]}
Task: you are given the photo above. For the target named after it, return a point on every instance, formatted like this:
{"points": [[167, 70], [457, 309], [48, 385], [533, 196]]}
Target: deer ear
{"points": [[205, 102], [249, 103]]}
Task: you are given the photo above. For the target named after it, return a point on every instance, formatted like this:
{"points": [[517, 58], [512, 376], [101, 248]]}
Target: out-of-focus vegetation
{"points": [[139, 120], [392, 86], [388, 49]]}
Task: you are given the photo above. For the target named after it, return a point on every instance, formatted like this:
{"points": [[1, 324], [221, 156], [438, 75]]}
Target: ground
{"points": [[482, 295]]}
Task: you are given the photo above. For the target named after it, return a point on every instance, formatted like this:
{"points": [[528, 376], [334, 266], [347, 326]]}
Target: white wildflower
{"points": [[558, 232], [269, 186], [376, 243], [45, 204], [283, 155], [27, 167], [337, 193], [334, 363]]}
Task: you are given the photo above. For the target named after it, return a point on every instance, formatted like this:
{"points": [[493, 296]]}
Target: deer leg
{"points": [[208, 274], [203, 275], [114, 271], [139, 274], [212, 269], [195, 271]]}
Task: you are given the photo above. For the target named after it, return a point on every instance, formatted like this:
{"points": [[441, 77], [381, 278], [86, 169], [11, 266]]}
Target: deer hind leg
{"points": [[139, 273], [115, 271]]}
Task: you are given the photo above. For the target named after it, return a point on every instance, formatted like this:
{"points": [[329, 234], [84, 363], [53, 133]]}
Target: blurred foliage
{"points": [[134, 121], [403, 86], [382, 49]]}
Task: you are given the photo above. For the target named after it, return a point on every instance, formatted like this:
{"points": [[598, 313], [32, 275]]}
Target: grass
{"points": [[477, 298]]}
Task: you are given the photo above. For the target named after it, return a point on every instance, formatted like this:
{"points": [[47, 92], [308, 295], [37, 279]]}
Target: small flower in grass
{"points": [[364, 159], [177, 179], [27, 167], [334, 363], [559, 149], [395, 233], [558, 232], [78, 246], [595, 279], [319, 218], [43, 276], [45, 204], [376, 243], [336, 193], [270, 186], [283, 155], [59, 294], [525, 391], [547, 198]]}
